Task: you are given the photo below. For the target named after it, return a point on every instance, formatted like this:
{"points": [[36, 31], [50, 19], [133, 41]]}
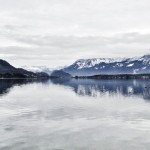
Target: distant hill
{"points": [[60, 74], [9, 71], [110, 66], [37, 69]]}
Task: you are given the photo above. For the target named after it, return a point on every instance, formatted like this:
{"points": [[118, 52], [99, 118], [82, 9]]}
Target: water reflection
{"points": [[89, 87], [95, 88], [7, 84], [48, 115]]}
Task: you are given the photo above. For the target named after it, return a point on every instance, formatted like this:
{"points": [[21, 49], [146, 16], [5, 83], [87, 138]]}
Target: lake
{"points": [[74, 114]]}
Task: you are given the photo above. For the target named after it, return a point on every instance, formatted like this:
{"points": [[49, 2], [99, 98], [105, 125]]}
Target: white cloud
{"points": [[61, 31]]}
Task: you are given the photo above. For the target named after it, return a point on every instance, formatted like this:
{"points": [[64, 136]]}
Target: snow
{"points": [[144, 68], [130, 65], [119, 65], [37, 69], [135, 71], [112, 65], [88, 63]]}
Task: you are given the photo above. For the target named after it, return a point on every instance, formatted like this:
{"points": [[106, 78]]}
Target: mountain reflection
{"points": [[89, 87], [95, 88], [7, 84]]}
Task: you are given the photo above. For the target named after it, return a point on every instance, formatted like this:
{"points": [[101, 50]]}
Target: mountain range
{"points": [[110, 66], [37, 69], [9, 71], [102, 67]]}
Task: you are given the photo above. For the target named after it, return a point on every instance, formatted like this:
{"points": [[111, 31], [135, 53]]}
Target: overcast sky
{"points": [[57, 32]]}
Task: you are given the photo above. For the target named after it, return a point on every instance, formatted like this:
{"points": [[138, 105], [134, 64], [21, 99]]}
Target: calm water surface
{"points": [[74, 115]]}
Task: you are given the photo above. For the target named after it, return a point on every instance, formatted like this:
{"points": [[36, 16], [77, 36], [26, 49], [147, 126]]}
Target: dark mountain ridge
{"points": [[9, 71]]}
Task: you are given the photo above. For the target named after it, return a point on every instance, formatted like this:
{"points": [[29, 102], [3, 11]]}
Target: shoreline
{"points": [[98, 77]]}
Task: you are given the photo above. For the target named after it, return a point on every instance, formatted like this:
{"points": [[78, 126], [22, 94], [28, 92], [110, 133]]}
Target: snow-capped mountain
{"points": [[44, 69], [37, 69], [97, 66]]}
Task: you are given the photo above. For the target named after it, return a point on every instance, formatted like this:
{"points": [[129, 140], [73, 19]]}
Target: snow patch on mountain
{"points": [[130, 65], [86, 67], [37, 69], [88, 63]]}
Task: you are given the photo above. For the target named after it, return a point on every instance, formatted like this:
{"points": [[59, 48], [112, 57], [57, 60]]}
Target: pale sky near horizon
{"points": [[58, 32]]}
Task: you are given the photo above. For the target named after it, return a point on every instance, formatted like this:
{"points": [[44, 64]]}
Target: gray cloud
{"points": [[57, 32], [85, 41], [67, 49]]}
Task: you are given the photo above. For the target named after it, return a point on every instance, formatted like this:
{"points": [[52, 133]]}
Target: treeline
{"points": [[120, 76]]}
